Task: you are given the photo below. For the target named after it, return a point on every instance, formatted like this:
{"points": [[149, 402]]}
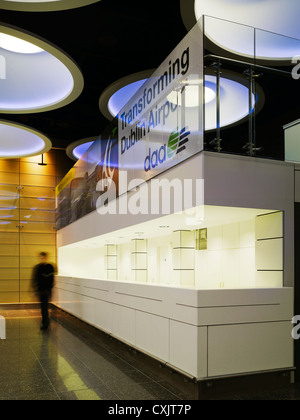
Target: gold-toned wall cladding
{"points": [[9, 297], [33, 250], [9, 166], [26, 286], [34, 227], [9, 274], [29, 262], [49, 158], [9, 250], [9, 227], [9, 191], [27, 220], [38, 239], [9, 261], [27, 297], [37, 215], [9, 286], [9, 238], [37, 203], [9, 178], [34, 168], [26, 273], [42, 180], [37, 192], [7, 204]]}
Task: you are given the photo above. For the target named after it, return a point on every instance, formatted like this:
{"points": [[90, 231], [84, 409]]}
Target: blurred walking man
{"points": [[43, 282]]}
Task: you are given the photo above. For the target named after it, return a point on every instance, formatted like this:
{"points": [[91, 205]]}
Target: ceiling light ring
{"points": [[62, 58], [266, 51], [43, 137], [243, 80], [116, 86], [70, 149], [45, 6]]}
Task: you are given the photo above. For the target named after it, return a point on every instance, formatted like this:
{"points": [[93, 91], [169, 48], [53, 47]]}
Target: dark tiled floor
{"points": [[69, 362], [75, 362]]}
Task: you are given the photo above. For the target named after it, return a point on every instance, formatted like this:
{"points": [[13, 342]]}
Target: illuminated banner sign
{"points": [[162, 124], [160, 127]]}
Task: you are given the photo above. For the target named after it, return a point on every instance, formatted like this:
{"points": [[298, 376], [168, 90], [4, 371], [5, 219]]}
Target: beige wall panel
{"points": [[9, 274], [9, 166], [38, 238], [11, 227], [29, 262], [9, 286], [38, 215], [9, 250], [27, 192], [44, 192], [9, 238], [9, 191], [44, 227], [26, 286], [9, 178], [43, 181], [8, 205], [6, 214], [26, 273], [49, 158], [34, 250], [9, 297], [35, 203], [9, 262], [34, 168], [28, 297]]}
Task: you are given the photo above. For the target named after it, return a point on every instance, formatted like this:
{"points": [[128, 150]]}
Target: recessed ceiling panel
{"points": [[277, 22], [234, 99], [115, 96], [43, 5], [35, 76], [77, 149], [17, 141]]}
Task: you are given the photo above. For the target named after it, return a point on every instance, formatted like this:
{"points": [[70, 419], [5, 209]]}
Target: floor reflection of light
{"points": [[73, 382]]}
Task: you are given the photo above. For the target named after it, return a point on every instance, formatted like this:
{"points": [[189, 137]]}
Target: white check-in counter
{"points": [[201, 333]]}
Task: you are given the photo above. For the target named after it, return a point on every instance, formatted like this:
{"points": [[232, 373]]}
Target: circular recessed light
{"points": [[17, 141], [229, 25], [113, 99], [18, 45], [234, 102], [35, 76], [192, 96], [78, 148], [234, 97], [43, 5]]}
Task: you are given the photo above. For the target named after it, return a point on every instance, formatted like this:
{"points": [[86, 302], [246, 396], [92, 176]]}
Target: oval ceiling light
{"points": [[234, 100], [44, 5], [18, 141], [78, 148], [115, 97], [234, 95], [271, 17], [192, 96], [35, 76]]}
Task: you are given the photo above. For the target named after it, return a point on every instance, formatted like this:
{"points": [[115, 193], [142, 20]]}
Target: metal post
{"points": [[217, 141]]}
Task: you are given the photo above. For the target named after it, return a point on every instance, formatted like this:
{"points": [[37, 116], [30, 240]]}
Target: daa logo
{"points": [[176, 144]]}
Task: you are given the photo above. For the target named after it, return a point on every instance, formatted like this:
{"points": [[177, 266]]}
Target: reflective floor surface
{"points": [[71, 362]]}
